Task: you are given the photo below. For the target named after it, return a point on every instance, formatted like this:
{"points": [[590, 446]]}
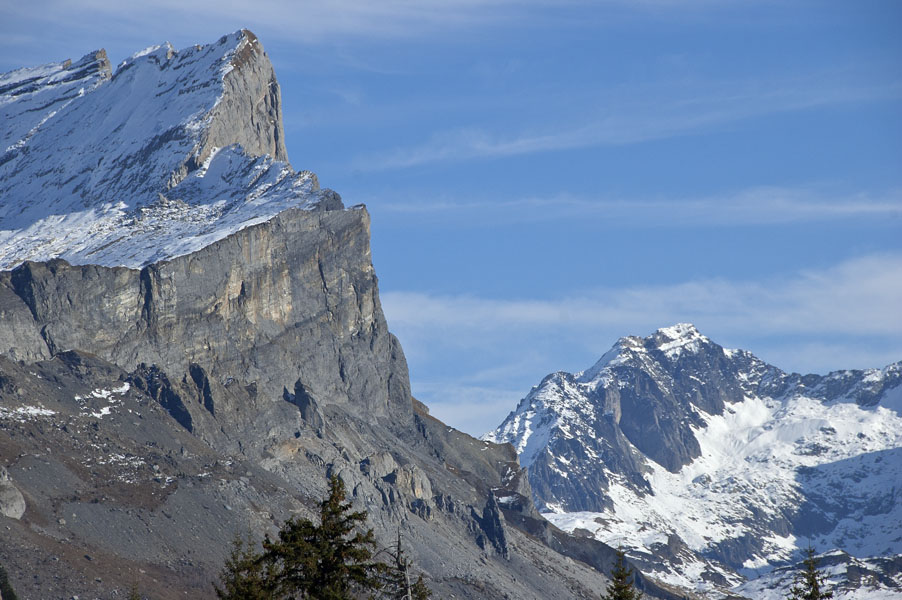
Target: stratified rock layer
{"points": [[289, 302]]}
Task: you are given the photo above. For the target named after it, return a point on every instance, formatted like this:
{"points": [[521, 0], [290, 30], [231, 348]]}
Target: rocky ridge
{"points": [[710, 465], [206, 157]]}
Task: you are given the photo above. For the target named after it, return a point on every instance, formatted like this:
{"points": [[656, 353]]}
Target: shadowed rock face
{"points": [[249, 113]]}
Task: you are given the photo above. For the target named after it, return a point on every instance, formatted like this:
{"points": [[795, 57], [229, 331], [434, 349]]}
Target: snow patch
{"points": [[25, 413]]}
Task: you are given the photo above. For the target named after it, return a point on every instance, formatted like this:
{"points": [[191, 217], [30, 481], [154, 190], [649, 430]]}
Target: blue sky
{"points": [[544, 177]]}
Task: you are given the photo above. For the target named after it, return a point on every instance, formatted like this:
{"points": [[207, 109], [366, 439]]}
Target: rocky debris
{"points": [[12, 503]]}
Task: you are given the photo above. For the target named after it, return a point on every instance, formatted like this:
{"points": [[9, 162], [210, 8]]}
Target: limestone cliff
{"points": [[290, 303]]}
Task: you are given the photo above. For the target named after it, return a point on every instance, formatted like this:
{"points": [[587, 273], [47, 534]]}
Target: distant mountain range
{"points": [[712, 467]]}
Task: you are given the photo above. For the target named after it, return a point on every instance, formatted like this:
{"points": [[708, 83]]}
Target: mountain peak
{"points": [[673, 341], [679, 338], [680, 331], [719, 460], [205, 158]]}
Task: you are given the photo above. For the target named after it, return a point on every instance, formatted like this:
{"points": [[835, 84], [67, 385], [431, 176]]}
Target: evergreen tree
{"points": [[330, 561], [809, 582], [244, 576], [6, 590], [419, 590], [621, 586], [133, 593]]}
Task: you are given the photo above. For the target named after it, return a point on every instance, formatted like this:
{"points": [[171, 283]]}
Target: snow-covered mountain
{"points": [[712, 466], [82, 179]]}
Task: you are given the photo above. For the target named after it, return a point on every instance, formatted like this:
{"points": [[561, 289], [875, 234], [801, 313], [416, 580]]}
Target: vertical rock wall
{"points": [[287, 302]]}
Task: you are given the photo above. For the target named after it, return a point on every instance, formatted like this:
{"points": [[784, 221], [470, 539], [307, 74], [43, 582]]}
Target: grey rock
{"points": [[492, 524], [287, 304], [249, 113], [12, 503], [410, 479], [378, 465]]}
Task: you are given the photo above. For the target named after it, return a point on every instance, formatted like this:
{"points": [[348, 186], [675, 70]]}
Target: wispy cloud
{"points": [[312, 20], [639, 115], [470, 408], [857, 297], [302, 21], [846, 316], [763, 205]]}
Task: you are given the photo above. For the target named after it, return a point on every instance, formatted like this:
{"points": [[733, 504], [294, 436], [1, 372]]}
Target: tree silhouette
{"points": [[330, 561], [809, 582], [621, 586], [6, 590], [244, 576]]}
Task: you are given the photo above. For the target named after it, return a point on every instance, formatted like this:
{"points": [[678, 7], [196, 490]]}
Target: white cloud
{"points": [[640, 114], [313, 20], [753, 206], [467, 353], [472, 409], [857, 297], [302, 21]]}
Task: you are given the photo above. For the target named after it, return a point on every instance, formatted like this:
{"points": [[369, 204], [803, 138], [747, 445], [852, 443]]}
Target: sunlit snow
{"points": [[762, 456], [94, 184]]}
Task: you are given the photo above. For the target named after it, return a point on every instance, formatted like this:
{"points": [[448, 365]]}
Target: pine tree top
{"points": [[621, 586], [810, 584], [330, 561]]}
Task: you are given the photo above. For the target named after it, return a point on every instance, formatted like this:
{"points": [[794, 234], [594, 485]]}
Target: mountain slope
{"points": [[710, 464]]}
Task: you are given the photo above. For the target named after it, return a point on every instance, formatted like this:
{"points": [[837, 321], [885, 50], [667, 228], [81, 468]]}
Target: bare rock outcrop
{"points": [[12, 503]]}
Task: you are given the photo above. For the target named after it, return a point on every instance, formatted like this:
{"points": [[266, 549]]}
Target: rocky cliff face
{"points": [[191, 341], [711, 465], [285, 307]]}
